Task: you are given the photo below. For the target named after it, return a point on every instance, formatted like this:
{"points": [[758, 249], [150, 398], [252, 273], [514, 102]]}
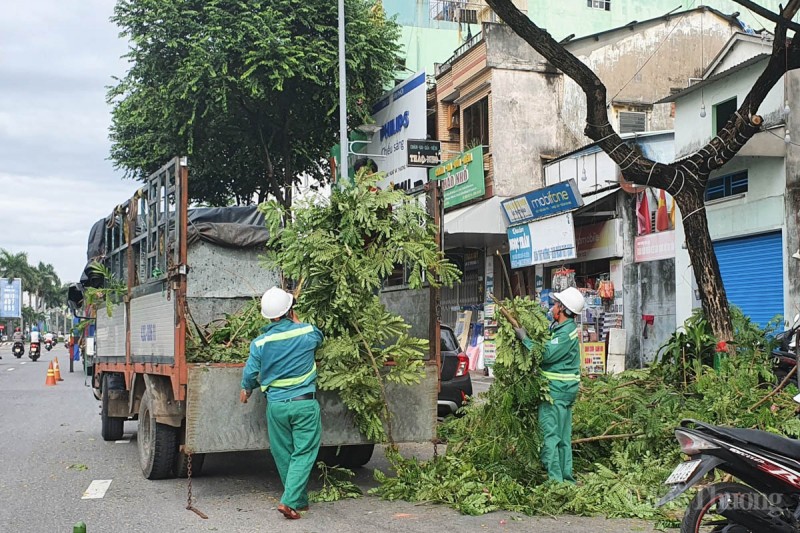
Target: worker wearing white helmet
{"points": [[561, 367], [282, 358]]}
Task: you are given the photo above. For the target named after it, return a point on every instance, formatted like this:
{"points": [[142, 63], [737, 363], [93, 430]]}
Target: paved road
{"points": [[52, 452]]}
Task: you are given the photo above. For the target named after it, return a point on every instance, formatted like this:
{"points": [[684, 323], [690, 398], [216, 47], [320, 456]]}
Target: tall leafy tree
{"points": [[249, 89], [687, 178]]}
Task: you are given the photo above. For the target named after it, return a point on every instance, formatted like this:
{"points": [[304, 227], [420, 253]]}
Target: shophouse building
{"points": [[496, 92], [752, 202]]}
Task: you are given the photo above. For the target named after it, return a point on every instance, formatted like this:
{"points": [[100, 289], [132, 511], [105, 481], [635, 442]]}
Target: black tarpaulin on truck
{"points": [[232, 227]]}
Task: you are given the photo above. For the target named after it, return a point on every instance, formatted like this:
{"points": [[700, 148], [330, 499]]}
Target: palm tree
{"points": [[15, 266], [48, 285]]}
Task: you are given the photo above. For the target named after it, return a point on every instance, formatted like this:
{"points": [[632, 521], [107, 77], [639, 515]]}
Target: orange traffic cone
{"points": [[57, 370], [51, 377]]}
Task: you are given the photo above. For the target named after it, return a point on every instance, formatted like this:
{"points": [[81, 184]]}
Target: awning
{"points": [[590, 201], [481, 224]]}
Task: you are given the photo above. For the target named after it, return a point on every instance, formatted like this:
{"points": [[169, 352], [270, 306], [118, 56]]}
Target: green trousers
{"points": [[295, 430], [555, 424]]}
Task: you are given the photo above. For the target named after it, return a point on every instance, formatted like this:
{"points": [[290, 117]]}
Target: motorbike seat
{"points": [[769, 441]]}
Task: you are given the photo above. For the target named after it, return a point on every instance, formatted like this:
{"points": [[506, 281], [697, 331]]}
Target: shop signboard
{"points": [[542, 241], [10, 298], [402, 117], [599, 241], [542, 203], [593, 358], [462, 177], [424, 153], [654, 246]]}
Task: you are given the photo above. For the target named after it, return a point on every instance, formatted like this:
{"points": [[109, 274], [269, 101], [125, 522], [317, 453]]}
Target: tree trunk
{"points": [[705, 264]]}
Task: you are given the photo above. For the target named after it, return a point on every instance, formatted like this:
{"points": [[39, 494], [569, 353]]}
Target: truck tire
{"points": [[349, 456], [157, 443], [182, 464], [111, 427]]}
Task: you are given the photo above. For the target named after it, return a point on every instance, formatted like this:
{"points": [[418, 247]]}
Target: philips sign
{"points": [[402, 116], [393, 127], [542, 203]]}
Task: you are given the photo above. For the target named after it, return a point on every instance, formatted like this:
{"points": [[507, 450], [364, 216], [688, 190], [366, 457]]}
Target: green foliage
{"points": [[337, 484], [341, 250], [623, 428], [226, 340], [695, 342], [247, 89], [110, 294]]}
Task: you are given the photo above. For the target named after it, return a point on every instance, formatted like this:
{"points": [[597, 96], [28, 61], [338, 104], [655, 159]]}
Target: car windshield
{"points": [[448, 341]]}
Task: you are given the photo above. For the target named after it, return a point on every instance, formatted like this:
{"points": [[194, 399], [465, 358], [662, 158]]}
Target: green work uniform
{"points": [[561, 366], [282, 362]]}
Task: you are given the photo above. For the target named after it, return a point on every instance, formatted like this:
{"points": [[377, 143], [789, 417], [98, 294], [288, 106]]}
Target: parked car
{"points": [[455, 380]]}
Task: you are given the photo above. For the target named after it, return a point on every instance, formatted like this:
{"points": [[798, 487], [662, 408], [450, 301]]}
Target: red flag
{"points": [[643, 214], [662, 217]]}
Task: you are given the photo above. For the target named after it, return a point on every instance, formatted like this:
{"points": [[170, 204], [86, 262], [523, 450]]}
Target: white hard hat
{"points": [[572, 299], [276, 302]]}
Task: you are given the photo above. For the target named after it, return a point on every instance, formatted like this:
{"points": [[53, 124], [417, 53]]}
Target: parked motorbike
{"points": [[48, 344], [35, 351], [19, 349], [784, 358], [768, 464]]}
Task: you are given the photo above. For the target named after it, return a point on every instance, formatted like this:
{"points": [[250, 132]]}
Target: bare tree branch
{"points": [[780, 19]]}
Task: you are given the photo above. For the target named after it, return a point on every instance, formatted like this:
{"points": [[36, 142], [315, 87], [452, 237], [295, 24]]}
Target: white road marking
{"points": [[22, 362], [97, 489], [10, 369], [123, 441]]}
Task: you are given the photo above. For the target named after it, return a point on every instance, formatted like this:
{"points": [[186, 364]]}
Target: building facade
{"points": [[752, 202]]}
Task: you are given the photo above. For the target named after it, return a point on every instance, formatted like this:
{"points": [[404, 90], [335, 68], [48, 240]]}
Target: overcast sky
{"points": [[56, 58]]}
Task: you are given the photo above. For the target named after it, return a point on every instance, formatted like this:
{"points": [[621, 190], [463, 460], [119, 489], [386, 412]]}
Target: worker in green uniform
{"points": [[282, 363], [561, 367]]}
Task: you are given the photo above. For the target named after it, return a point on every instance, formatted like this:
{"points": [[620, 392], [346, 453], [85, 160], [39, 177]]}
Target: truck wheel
{"points": [[350, 456], [112, 427], [182, 464], [156, 442]]}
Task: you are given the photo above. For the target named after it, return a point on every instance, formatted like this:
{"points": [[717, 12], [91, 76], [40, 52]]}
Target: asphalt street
{"points": [[52, 453]]}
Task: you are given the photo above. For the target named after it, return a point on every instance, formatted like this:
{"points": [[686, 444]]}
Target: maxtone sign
{"points": [[462, 177], [401, 114], [543, 241], [542, 203]]}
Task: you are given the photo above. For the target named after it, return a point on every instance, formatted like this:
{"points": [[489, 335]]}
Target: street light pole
{"points": [[344, 150]]}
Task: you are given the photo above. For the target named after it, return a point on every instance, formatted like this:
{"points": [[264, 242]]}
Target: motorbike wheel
{"points": [[33, 356], [701, 516]]}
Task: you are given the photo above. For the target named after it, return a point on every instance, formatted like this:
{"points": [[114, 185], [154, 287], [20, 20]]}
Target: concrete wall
{"points": [[692, 131], [525, 128], [641, 66], [564, 18], [413, 306], [648, 289], [792, 198]]}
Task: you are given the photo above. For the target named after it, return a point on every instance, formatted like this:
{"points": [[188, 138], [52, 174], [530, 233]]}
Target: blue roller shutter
{"points": [[752, 271]]}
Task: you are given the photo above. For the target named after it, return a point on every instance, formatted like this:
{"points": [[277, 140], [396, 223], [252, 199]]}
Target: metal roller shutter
{"points": [[752, 271]]}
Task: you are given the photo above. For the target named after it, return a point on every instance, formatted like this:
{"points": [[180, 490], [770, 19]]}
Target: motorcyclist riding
{"points": [[34, 334]]}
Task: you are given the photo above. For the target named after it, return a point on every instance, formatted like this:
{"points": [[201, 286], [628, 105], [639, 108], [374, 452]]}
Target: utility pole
{"points": [[344, 150], [435, 191]]}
